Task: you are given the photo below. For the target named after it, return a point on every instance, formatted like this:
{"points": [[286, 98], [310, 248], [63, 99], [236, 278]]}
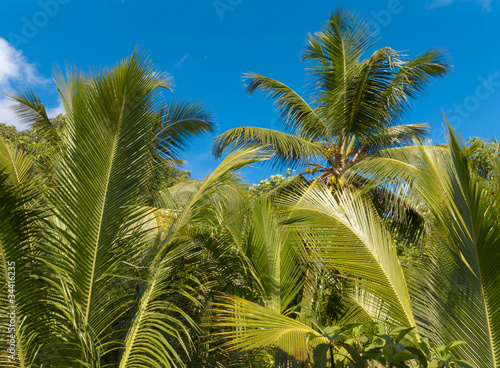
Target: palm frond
{"points": [[298, 117], [457, 287], [395, 136], [337, 48], [158, 323], [200, 203], [275, 262], [345, 233], [356, 108], [287, 148], [31, 110], [15, 162], [178, 123], [100, 180], [22, 311], [252, 326], [463, 270], [413, 77]]}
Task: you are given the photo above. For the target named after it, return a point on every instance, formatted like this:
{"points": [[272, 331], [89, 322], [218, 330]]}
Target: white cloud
{"points": [[181, 61], [8, 116], [54, 111], [486, 4], [14, 68], [17, 72]]}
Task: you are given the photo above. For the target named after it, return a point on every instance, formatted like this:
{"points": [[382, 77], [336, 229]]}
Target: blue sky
{"points": [[206, 45]]}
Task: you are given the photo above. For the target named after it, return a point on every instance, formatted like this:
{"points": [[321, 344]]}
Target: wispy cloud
{"points": [[486, 4], [8, 116], [181, 61], [205, 156], [14, 68], [17, 72], [52, 112]]}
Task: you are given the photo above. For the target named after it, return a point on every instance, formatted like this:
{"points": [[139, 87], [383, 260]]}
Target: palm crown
{"points": [[355, 105]]}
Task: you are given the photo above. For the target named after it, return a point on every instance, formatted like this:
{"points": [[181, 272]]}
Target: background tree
{"points": [[273, 182], [35, 143], [485, 154]]}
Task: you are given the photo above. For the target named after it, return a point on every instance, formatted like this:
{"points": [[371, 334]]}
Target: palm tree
{"points": [[355, 103], [341, 233], [460, 282], [96, 282], [272, 271], [451, 292], [18, 257]]}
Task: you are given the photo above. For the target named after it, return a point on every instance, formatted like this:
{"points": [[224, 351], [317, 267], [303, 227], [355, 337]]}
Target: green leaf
{"points": [[464, 364], [434, 364], [422, 357], [401, 332], [454, 345], [320, 355], [399, 348], [287, 149], [345, 234], [355, 355], [401, 357]]}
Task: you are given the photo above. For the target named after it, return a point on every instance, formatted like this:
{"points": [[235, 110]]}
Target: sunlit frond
{"points": [[287, 149], [345, 233], [298, 117]]}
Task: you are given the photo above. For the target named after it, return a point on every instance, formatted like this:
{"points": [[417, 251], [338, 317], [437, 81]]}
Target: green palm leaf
{"points": [[178, 123], [463, 267], [191, 205], [346, 234], [31, 110], [287, 148], [21, 312], [15, 162], [100, 180], [158, 322], [394, 136], [298, 117], [257, 326], [456, 291]]}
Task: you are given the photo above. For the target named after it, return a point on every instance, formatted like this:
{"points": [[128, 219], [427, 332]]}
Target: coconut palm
{"points": [[356, 101]]}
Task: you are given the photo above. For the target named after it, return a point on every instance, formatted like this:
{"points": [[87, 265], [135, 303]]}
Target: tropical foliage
{"points": [[272, 183], [88, 262], [485, 154], [111, 257], [449, 292]]}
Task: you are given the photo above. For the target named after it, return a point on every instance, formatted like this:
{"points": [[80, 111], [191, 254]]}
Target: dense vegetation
{"points": [[379, 251]]}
